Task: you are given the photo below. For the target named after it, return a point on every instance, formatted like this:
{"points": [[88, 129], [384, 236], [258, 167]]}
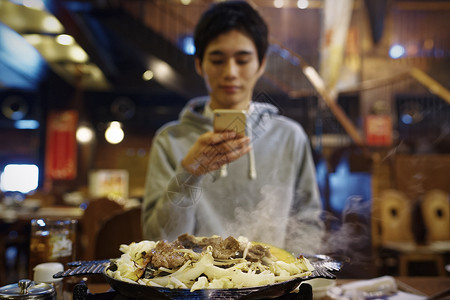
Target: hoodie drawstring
{"points": [[251, 155], [251, 159], [224, 171]]}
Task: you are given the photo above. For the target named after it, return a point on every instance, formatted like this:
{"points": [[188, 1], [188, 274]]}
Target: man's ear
{"points": [[198, 66], [262, 67]]}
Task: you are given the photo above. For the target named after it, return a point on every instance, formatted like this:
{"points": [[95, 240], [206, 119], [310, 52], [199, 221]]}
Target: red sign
{"points": [[378, 130], [61, 147]]}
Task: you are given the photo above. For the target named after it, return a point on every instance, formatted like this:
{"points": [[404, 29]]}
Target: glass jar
{"points": [[52, 241]]}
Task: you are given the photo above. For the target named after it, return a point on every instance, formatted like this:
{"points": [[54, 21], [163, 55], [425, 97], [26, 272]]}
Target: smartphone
{"points": [[230, 119]]}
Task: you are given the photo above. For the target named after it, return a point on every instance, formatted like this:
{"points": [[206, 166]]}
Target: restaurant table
{"points": [[19, 214], [423, 286], [15, 232]]}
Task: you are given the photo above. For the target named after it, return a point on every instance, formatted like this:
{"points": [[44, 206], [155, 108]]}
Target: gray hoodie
{"points": [[269, 195]]}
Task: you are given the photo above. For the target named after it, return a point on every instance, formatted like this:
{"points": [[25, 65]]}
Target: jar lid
{"points": [[44, 272], [27, 289]]}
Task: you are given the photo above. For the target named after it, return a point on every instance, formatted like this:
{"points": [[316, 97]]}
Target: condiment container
{"points": [[52, 240], [43, 273], [26, 289]]}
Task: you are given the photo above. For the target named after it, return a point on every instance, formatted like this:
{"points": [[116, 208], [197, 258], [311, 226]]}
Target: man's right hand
{"points": [[213, 150]]}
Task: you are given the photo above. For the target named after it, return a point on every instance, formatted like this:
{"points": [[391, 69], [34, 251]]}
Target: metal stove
{"points": [[81, 292]]}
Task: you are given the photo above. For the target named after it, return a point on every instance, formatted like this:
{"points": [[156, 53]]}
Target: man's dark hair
{"points": [[226, 16]]}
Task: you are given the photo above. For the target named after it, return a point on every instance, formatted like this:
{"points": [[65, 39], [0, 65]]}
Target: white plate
{"points": [[320, 286]]}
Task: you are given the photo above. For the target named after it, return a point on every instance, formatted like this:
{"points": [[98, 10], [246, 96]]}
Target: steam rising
{"points": [[297, 234], [263, 223], [350, 233]]}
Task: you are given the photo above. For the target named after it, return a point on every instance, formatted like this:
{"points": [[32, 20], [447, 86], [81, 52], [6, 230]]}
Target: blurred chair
{"points": [[124, 227], [395, 219], [97, 211], [435, 208], [397, 236]]}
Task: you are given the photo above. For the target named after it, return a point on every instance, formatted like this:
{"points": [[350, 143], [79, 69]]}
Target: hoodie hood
{"points": [[259, 112], [192, 114]]}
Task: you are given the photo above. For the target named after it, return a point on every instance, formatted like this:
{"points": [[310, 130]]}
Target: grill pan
{"points": [[325, 267]]}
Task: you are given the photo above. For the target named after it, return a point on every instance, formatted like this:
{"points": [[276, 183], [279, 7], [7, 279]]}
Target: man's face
{"points": [[230, 69]]}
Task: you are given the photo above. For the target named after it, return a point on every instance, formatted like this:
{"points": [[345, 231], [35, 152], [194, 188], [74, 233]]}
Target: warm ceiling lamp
{"points": [[302, 4], [84, 134], [114, 133], [278, 3], [78, 54], [51, 24], [65, 39], [148, 75]]}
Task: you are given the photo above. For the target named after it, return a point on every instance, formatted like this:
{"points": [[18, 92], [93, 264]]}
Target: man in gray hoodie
{"points": [[261, 185]]}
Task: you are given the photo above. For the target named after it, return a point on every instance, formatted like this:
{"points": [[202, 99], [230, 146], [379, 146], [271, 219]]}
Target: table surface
{"points": [[425, 286], [12, 215]]}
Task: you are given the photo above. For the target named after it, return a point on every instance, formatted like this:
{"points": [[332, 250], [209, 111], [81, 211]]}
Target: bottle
{"points": [[43, 273]]}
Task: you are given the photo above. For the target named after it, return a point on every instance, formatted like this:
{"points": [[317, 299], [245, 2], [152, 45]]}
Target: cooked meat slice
{"points": [[257, 252], [190, 242], [165, 255], [213, 241], [221, 248], [227, 248]]}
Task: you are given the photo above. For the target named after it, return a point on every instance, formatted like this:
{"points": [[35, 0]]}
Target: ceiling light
{"points": [[162, 69], [302, 4], [51, 24], [148, 75], [114, 133], [84, 134], [77, 53], [95, 72], [396, 51], [278, 3], [65, 39]]}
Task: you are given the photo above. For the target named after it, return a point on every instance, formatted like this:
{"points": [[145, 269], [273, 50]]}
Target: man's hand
{"points": [[213, 150]]}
